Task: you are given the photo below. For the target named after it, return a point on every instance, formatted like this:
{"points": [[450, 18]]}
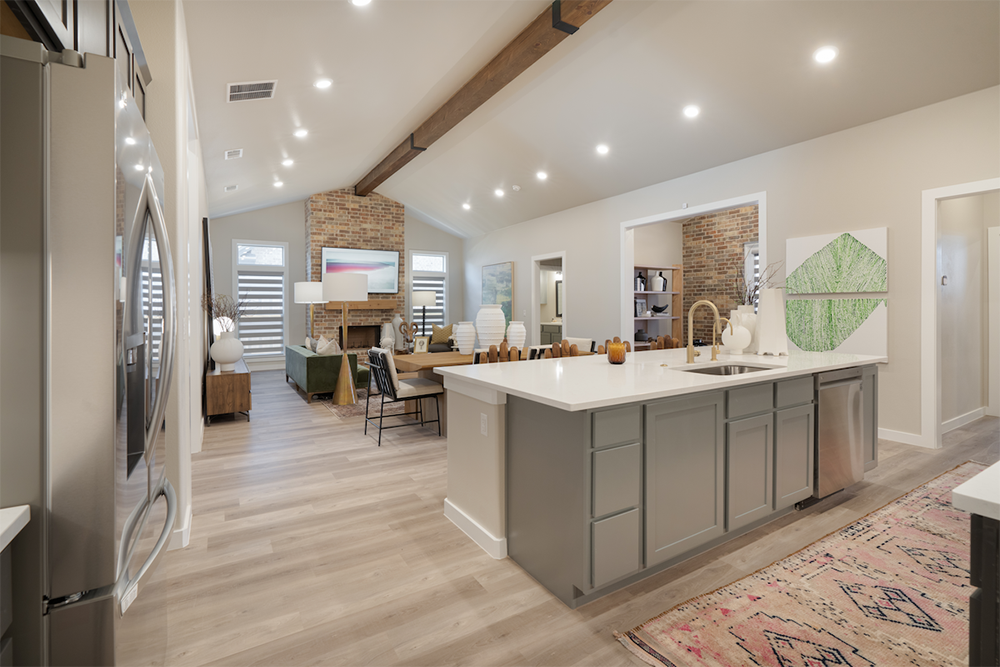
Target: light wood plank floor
{"points": [[310, 545]]}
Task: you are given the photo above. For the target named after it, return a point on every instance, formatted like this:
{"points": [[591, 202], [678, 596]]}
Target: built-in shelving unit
{"points": [[672, 297]]}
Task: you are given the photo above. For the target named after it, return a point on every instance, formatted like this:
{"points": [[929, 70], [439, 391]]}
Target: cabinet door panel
{"points": [[616, 547], [794, 435], [617, 479], [684, 474], [748, 470]]}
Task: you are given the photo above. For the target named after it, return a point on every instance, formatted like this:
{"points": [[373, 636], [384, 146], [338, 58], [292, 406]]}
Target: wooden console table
{"points": [[228, 391]]}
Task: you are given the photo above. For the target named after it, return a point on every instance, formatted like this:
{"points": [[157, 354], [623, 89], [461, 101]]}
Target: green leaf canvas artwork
{"points": [[842, 266], [822, 325], [498, 287]]}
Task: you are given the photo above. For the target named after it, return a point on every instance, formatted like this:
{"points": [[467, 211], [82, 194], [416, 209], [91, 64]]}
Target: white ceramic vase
{"points": [[387, 333], [748, 319], [465, 337], [490, 325], [735, 337], [516, 333], [772, 338], [397, 336], [227, 351]]}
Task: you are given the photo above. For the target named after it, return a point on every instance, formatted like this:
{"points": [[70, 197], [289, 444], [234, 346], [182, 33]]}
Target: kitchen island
{"points": [[592, 476]]}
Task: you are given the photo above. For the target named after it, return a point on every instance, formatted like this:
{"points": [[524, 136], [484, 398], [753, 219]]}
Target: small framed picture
{"points": [[420, 344], [640, 307]]}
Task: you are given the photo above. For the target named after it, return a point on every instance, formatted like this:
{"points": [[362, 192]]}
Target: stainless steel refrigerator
{"points": [[87, 319]]}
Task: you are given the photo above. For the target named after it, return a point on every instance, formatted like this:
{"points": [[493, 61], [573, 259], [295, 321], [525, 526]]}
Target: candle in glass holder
{"points": [[616, 353]]}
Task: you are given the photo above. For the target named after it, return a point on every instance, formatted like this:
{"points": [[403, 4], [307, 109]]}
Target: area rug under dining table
{"points": [[890, 589]]}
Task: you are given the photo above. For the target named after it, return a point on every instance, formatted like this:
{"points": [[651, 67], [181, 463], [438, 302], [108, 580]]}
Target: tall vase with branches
{"points": [[226, 312], [746, 293]]}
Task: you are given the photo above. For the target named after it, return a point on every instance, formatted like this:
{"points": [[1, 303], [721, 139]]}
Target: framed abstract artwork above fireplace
{"points": [[381, 266]]}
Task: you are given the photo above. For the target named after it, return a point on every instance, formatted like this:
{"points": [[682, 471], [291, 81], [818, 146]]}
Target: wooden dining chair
{"points": [[497, 355], [394, 390]]}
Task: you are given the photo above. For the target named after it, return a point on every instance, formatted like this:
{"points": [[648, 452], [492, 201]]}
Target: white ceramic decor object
{"points": [[396, 335], [387, 332], [227, 350], [490, 325], [735, 337], [772, 338], [748, 319], [516, 333], [659, 282], [465, 337]]}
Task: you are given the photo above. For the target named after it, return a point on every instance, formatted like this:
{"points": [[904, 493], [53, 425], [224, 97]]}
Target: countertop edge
{"points": [[12, 520], [981, 494]]}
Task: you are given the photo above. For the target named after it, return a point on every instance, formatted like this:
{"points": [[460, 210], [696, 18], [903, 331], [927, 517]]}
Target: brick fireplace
{"points": [[339, 219], [359, 336]]}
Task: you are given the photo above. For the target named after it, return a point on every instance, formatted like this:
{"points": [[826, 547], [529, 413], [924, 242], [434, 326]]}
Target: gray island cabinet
{"points": [[591, 476]]}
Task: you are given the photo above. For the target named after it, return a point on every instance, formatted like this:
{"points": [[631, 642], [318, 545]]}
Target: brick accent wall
{"points": [[339, 219], [713, 256]]}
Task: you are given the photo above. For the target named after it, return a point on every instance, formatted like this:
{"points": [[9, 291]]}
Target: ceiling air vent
{"points": [[230, 188], [252, 90], [234, 154]]}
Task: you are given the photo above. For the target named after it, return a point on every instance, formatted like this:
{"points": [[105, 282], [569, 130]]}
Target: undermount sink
{"points": [[726, 369]]}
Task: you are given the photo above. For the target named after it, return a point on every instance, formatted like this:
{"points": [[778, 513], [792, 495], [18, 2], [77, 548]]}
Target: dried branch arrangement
{"points": [[746, 292], [224, 308]]}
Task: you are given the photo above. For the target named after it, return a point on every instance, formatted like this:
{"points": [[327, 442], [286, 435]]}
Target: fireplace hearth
{"points": [[359, 336]]}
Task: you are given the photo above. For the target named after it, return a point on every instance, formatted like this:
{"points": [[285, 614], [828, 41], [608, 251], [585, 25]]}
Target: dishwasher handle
{"points": [[832, 378]]}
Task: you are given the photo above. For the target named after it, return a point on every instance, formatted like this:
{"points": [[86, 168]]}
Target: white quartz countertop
{"points": [[584, 383], [12, 520], [981, 494]]}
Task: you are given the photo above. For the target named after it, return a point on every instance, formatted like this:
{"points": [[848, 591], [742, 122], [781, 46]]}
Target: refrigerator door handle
{"points": [[148, 199], [130, 587]]}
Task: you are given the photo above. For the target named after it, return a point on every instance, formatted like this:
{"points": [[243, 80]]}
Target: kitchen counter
{"points": [[586, 383], [981, 494], [12, 520]]}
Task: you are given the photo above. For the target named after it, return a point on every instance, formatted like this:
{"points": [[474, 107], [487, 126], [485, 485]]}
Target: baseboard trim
{"points": [[904, 437], [495, 547], [962, 420], [181, 536], [271, 364]]}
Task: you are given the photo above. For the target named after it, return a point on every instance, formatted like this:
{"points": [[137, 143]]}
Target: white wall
{"points": [[962, 305], [277, 224], [169, 103], [419, 235], [868, 176], [660, 244]]}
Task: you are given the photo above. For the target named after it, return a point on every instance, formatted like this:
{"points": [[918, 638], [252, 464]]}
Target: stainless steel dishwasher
{"points": [[839, 441]]}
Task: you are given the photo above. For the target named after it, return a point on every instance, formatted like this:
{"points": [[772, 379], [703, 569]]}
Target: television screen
{"points": [[381, 266]]}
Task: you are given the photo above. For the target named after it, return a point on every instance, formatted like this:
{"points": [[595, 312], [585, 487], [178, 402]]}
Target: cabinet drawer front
{"points": [[793, 392], [749, 400], [617, 475], [616, 547], [613, 427]]}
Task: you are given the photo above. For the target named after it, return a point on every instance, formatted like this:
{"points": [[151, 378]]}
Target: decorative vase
{"points": [[227, 351], [659, 283], [516, 333], [748, 319], [735, 337], [387, 333], [772, 338], [640, 283], [490, 325], [616, 353], [465, 337], [398, 340]]}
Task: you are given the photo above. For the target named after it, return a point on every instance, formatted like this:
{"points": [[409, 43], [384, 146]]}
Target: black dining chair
{"points": [[394, 390]]}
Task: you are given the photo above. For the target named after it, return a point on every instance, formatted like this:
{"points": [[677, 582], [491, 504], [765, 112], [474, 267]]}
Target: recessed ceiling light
{"points": [[603, 149], [498, 192], [323, 83], [288, 163], [301, 132], [130, 141], [691, 111], [360, 3], [278, 184], [467, 206], [825, 54], [139, 167], [541, 175]]}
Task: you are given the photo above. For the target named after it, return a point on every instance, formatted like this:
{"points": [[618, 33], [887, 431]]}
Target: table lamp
{"points": [[424, 299], [345, 287], [311, 293]]}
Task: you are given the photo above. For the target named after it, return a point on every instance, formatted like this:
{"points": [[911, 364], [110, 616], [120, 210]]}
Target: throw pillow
{"points": [[326, 348], [310, 344], [441, 334]]}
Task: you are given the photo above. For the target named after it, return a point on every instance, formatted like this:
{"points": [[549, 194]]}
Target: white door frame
{"points": [[534, 335], [627, 245], [930, 357]]}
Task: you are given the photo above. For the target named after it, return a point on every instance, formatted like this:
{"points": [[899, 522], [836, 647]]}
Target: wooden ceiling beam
{"points": [[552, 26]]}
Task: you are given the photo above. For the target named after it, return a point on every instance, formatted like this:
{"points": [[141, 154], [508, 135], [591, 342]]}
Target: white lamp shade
{"points": [[345, 287], [308, 292], [424, 299]]}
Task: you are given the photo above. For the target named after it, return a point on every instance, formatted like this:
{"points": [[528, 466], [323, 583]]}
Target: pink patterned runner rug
{"points": [[890, 589]]}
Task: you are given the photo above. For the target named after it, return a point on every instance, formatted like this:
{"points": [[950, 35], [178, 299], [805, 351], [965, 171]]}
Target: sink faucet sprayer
{"points": [[716, 329]]}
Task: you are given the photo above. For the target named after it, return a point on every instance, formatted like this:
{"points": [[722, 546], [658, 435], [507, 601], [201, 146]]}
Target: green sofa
{"points": [[315, 374]]}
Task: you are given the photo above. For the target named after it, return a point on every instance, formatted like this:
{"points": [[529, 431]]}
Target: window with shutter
{"points": [[428, 273], [261, 282]]}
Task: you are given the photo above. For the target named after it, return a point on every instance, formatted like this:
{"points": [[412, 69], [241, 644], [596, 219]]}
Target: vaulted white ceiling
{"points": [[622, 80]]}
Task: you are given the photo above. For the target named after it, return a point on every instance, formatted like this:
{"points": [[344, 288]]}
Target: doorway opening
{"points": [[548, 298]]}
